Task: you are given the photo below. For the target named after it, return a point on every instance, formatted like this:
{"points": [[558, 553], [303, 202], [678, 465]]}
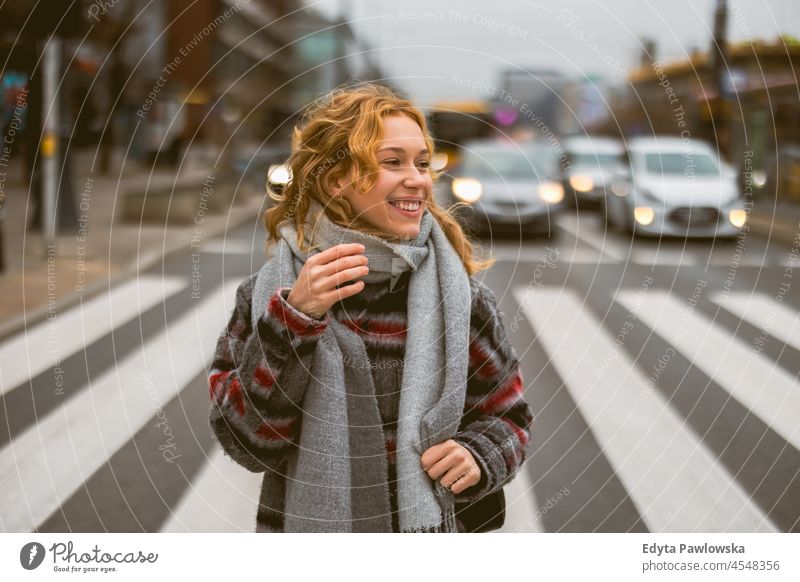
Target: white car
{"points": [[505, 187], [591, 163], [675, 187]]}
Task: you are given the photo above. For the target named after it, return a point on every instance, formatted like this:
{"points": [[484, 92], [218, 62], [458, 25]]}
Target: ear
{"points": [[336, 188], [340, 186]]}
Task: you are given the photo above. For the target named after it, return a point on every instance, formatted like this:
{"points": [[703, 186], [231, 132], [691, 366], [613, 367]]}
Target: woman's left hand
{"points": [[452, 465]]}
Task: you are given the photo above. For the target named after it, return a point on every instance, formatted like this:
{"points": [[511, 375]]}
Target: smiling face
{"points": [[397, 201]]}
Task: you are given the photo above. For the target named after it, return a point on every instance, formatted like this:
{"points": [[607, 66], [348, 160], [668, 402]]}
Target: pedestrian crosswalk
{"points": [[672, 478], [766, 313], [44, 345], [48, 462], [676, 476], [763, 387], [222, 498]]}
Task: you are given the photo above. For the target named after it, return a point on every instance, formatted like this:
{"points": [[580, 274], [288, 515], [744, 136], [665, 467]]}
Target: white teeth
{"points": [[410, 206]]}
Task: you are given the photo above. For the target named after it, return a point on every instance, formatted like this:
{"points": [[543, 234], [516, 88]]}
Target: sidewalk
{"points": [[38, 280]]}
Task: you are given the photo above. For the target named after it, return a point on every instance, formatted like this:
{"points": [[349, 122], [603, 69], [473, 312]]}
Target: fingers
{"points": [[452, 465], [340, 270], [440, 458], [336, 286], [342, 292], [462, 481], [346, 276], [325, 275], [341, 263], [434, 454], [333, 253]]}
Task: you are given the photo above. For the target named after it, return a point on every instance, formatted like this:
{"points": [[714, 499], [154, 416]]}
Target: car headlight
{"points": [[644, 215], [467, 190], [551, 192], [439, 161], [738, 217], [279, 174], [581, 183], [620, 187]]}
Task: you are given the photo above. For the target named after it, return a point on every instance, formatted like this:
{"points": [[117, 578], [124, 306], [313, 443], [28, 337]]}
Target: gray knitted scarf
{"points": [[337, 477]]}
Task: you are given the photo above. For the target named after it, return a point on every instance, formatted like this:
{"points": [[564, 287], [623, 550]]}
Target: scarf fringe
{"points": [[448, 524], [435, 529]]}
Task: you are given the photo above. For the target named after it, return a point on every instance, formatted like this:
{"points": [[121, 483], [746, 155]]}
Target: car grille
{"points": [[694, 217], [510, 207]]}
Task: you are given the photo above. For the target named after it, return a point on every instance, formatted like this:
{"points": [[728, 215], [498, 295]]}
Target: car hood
{"points": [[687, 191], [599, 176], [519, 191]]}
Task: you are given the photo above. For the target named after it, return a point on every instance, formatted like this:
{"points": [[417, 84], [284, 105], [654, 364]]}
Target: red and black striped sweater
{"points": [[257, 382]]}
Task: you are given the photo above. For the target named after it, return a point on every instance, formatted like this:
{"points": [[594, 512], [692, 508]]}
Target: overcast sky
{"points": [[441, 49]]}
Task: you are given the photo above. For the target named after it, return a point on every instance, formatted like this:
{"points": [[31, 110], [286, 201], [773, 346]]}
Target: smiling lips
{"points": [[407, 207], [406, 204]]}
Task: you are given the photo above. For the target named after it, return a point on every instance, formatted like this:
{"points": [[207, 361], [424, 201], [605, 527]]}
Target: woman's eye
{"points": [[425, 164]]}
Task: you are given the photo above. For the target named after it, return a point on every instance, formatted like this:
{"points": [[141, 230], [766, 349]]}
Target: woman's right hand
{"points": [[315, 290]]}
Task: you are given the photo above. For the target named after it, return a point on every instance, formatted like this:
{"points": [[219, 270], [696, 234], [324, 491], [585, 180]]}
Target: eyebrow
{"points": [[396, 149]]}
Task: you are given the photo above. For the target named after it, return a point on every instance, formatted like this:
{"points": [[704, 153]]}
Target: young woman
{"points": [[364, 370]]}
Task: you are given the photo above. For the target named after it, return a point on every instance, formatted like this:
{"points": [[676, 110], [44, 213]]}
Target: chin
{"points": [[408, 233]]}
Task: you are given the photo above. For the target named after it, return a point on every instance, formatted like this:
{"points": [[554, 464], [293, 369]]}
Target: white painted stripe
{"points": [[52, 341], [765, 313], [229, 247], [46, 464], [728, 260], [757, 383], [223, 498], [533, 255], [674, 480], [521, 513], [663, 256], [577, 227]]}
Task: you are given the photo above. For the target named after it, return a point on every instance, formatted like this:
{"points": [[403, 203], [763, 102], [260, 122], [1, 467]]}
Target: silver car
{"points": [[675, 187], [590, 166], [505, 187]]}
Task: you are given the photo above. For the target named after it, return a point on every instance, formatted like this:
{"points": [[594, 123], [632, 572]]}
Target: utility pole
{"points": [[51, 27], [719, 70], [50, 133]]}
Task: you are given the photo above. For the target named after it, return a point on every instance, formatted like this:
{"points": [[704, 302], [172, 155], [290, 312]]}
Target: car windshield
{"points": [[529, 164], [595, 160], [679, 163]]}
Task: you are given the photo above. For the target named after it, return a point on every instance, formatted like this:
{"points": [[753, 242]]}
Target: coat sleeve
{"points": [[258, 379], [495, 427]]}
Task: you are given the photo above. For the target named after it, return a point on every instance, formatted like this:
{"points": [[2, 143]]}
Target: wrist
{"points": [[297, 320], [293, 303]]}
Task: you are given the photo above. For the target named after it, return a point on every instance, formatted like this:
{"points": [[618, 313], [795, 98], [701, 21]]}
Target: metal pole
{"points": [[721, 75], [50, 113]]}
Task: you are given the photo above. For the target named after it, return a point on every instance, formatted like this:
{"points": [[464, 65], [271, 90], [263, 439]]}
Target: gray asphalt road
{"points": [[663, 377]]}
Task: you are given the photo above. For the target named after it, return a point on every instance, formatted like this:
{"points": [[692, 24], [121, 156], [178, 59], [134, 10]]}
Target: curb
{"points": [[144, 262]]}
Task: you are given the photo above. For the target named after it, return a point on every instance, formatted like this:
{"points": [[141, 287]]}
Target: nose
{"points": [[414, 178]]}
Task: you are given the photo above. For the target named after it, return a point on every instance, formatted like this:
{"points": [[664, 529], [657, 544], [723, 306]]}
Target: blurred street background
{"points": [[635, 171]]}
